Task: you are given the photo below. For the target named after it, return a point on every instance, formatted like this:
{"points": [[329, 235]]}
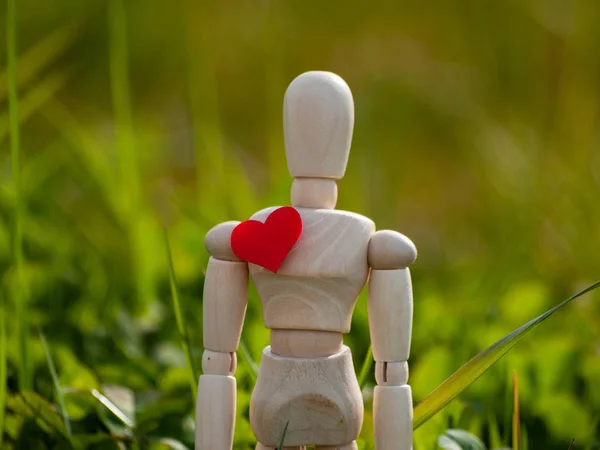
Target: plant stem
{"points": [[183, 335], [20, 296]]}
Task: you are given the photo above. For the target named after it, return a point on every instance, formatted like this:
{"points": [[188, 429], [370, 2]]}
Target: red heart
{"points": [[267, 244]]}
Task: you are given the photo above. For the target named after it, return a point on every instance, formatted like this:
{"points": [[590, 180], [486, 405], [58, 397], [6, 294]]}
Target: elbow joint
{"points": [[219, 363]]}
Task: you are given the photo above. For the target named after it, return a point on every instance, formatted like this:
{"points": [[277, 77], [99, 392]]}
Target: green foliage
{"points": [[476, 367], [475, 135]]}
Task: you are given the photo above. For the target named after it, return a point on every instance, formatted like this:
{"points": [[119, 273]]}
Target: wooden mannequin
{"points": [[306, 376]]}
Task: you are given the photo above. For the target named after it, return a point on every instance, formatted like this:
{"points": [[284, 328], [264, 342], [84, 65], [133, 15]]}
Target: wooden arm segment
{"points": [[390, 322], [224, 304], [225, 301]]}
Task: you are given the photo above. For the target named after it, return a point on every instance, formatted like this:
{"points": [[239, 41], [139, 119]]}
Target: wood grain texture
{"points": [[352, 446], [218, 241], [392, 417], [318, 283], [215, 412], [224, 304], [320, 398], [390, 250], [318, 193], [390, 307], [260, 446], [318, 119], [305, 343]]}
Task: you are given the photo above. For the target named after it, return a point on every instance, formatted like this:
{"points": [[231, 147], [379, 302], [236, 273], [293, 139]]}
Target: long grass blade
{"points": [[57, 388], [494, 432], [20, 296], [477, 366], [121, 98], [181, 326], [252, 366], [114, 409], [36, 97], [106, 402], [42, 55], [516, 425], [280, 446], [129, 170], [2, 372], [366, 367]]}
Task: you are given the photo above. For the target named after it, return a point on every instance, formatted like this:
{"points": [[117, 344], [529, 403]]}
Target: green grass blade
{"points": [[126, 142], [280, 446], [36, 97], [476, 367], [42, 55], [366, 367], [121, 98], [114, 409], [2, 373], [494, 432], [59, 395], [183, 335], [516, 425], [203, 94], [106, 402], [20, 296], [253, 368]]}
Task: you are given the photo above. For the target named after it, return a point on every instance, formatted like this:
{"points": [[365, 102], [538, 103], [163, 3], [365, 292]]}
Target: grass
{"points": [[19, 292], [481, 363], [181, 326], [475, 135], [57, 388], [516, 424], [3, 376]]}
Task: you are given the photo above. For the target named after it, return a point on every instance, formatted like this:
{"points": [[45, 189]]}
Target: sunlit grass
{"points": [[129, 171], [365, 370], [181, 325], [57, 387], [479, 364], [475, 145], [36, 97], [19, 291], [516, 423]]}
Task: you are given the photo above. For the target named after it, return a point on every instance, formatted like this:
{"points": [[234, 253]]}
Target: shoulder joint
{"points": [[218, 241], [389, 250]]}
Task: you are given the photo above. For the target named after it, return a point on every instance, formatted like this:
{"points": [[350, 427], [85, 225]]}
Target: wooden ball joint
{"points": [[309, 262]]}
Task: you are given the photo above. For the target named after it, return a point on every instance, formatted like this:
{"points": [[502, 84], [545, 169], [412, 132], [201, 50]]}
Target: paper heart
{"points": [[267, 244]]}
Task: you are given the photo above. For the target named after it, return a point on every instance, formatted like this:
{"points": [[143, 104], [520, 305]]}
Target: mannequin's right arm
{"points": [[224, 308]]}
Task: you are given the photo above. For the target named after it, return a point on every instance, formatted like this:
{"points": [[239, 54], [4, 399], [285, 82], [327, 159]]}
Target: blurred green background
{"points": [[477, 135]]}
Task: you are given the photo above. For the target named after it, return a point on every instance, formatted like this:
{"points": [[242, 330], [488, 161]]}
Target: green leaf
{"points": [[460, 440], [476, 367], [33, 406], [85, 441]]}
